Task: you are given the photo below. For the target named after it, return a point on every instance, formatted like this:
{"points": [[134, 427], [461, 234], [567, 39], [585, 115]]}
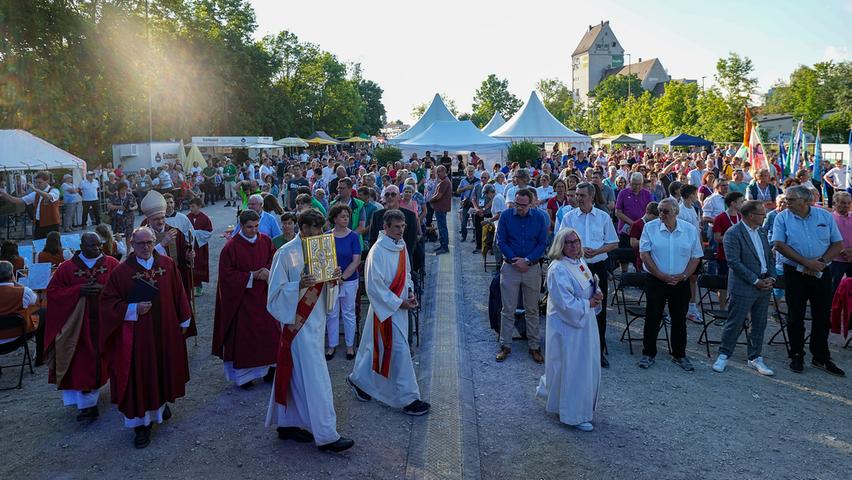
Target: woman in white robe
{"points": [[572, 357]]}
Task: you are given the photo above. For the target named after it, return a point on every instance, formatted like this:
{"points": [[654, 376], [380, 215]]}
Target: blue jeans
{"points": [[443, 235]]}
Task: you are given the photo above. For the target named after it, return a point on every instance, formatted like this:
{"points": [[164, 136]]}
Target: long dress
{"points": [[202, 227], [245, 335], [399, 387], [572, 358], [309, 399]]}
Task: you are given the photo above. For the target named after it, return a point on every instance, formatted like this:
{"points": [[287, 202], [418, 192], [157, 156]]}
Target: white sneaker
{"points": [[720, 363], [761, 367], [694, 314], [585, 426]]}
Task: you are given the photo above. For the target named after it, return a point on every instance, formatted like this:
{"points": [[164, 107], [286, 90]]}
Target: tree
{"points": [[419, 109], [493, 96], [716, 121], [675, 111], [617, 87], [733, 76], [374, 116]]}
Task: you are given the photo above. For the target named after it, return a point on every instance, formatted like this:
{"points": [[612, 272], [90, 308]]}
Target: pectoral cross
{"points": [[145, 277]]}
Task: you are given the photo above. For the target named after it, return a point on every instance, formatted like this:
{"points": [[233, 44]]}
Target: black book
{"points": [[142, 292]]}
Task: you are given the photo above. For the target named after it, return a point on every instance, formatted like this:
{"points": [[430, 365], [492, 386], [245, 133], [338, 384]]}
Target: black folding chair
{"points": [[616, 257], [15, 323], [710, 315], [632, 310]]}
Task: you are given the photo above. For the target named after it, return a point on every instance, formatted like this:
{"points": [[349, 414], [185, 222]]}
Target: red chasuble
{"points": [[71, 326], [244, 332], [201, 270], [178, 252], [147, 358]]}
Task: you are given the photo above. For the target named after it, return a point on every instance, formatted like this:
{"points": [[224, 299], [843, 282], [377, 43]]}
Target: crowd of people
{"points": [[556, 221]]}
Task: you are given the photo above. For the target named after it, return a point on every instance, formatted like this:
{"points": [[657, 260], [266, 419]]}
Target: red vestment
{"points": [[147, 357], [201, 269], [243, 331], [71, 325], [178, 251]]}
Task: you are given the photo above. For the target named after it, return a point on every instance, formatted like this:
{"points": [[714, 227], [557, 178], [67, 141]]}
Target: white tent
{"points": [[456, 137], [22, 151], [534, 123], [437, 112], [496, 122]]}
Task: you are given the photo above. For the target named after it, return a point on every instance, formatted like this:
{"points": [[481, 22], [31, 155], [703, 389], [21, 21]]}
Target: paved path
{"points": [[485, 422]]}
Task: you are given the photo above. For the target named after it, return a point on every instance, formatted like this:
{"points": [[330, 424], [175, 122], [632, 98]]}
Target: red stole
{"points": [[284, 372], [384, 328]]}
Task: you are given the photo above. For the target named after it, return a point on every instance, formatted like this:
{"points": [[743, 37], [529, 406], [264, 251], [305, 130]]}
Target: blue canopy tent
{"points": [[683, 140]]}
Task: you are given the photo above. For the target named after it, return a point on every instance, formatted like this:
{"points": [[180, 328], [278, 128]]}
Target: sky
{"points": [[416, 49]]}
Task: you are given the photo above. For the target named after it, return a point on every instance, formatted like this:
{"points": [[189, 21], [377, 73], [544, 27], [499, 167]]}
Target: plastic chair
{"points": [[14, 322]]}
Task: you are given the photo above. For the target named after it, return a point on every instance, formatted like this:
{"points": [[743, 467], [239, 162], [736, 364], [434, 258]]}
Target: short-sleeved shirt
{"points": [[810, 237], [89, 190], [69, 194], [636, 232], [714, 205], [670, 250], [594, 229], [30, 199], [840, 176], [632, 204], [721, 224], [346, 248], [445, 201]]}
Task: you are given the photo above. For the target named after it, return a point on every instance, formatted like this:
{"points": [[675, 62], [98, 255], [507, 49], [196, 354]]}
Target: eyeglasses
{"points": [[666, 211], [572, 242], [390, 194], [522, 205]]}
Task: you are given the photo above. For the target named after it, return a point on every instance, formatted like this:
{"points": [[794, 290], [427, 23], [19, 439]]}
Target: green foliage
{"points": [[675, 111], [493, 96], [79, 74], [525, 153], [557, 98], [418, 110], [617, 87], [387, 155]]}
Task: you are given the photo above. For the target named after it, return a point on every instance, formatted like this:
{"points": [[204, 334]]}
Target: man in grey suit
{"points": [[750, 280]]}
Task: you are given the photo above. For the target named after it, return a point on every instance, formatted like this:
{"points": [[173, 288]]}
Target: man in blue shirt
{"points": [[808, 239], [522, 239], [268, 224], [465, 190]]}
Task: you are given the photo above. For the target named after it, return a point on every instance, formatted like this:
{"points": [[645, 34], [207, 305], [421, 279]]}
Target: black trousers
{"points": [[91, 209], [430, 214], [477, 230], [801, 289], [463, 227], [599, 269], [40, 231], [677, 296]]}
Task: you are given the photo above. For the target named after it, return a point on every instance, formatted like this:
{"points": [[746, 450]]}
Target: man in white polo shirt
{"points": [[594, 226], [670, 250], [89, 190]]}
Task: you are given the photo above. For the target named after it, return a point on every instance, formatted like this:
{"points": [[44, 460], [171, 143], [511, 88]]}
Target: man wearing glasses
{"points": [[522, 239], [412, 227], [670, 250]]}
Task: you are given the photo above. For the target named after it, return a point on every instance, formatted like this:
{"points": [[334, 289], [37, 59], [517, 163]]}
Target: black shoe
{"points": [[89, 413], [476, 250], [604, 362], [350, 356], [340, 445], [167, 413], [270, 375], [361, 395], [329, 356], [797, 364], [416, 408], [295, 434], [247, 385], [143, 436], [829, 367], [442, 251]]}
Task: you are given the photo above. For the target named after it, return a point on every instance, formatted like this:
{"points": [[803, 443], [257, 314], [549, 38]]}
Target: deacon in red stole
{"points": [[245, 335], [141, 335], [72, 328], [301, 404], [202, 229], [172, 242], [383, 369]]}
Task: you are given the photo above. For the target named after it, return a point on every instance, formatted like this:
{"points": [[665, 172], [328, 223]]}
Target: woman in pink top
{"points": [[842, 264]]}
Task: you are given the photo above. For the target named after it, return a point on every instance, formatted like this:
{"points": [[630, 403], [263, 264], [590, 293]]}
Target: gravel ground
{"points": [[660, 423], [216, 431]]}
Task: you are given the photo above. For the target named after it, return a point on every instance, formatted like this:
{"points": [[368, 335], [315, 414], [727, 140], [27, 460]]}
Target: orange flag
{"points": [[747, 125]]}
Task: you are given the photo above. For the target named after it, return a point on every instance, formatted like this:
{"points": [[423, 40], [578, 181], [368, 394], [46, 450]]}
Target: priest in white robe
{"points": [[383, 367], [301, 405], [572, 358]]}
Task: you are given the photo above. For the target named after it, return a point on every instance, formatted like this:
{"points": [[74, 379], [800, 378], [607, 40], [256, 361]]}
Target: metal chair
{"points": [[16, 323], [710, 315], [781, 316], [616, 257], [632, 311]]}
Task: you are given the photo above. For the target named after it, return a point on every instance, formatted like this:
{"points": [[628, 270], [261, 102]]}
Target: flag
{"points": [[747, 126], [756, 153], [849, 158], [789, 154], [782, 158], [817, 175], [796, 148]]}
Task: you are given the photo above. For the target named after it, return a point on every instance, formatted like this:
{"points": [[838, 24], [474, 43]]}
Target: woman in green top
{"points": [[288, 229]]}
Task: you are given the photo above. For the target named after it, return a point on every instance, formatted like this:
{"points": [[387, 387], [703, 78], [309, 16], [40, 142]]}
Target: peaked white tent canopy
{"points": [[534, 123], [456, 137], [437, 112], [22, 151], [496, 122]]}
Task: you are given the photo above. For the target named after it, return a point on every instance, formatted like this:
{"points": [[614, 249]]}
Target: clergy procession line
{"points": [[270, 323]]}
